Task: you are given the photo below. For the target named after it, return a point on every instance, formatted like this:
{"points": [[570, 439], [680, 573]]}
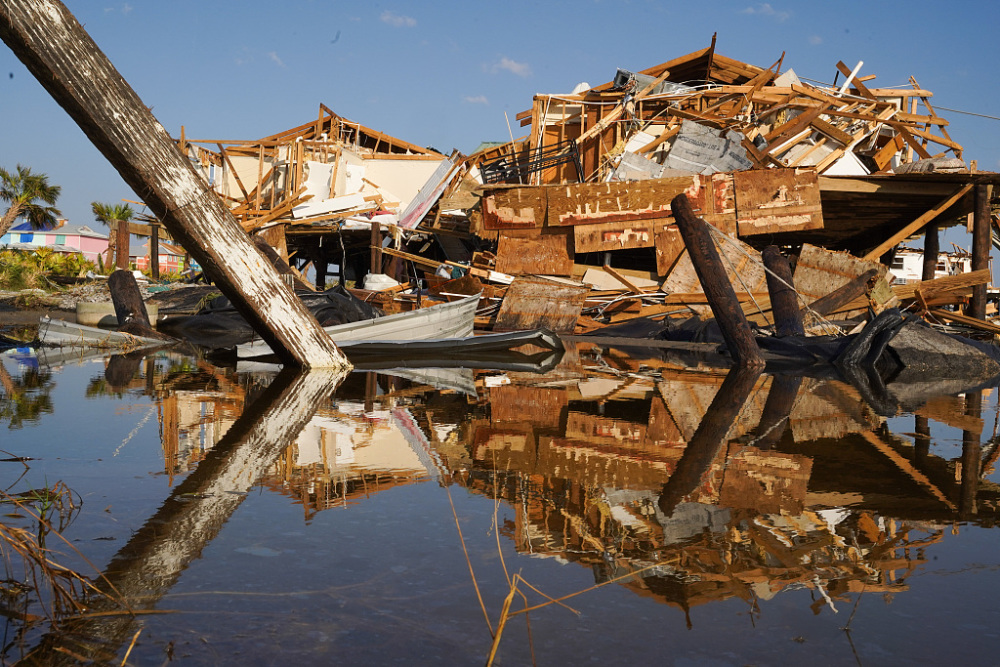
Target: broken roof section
{"points": [[320, 173], [705, 113]]}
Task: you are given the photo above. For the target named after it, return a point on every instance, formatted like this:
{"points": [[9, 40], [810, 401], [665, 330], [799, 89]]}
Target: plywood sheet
{"points": [[602, 203], [743, 267], [534, 302], [515, 208], [669, 247], [818, 271], [610, 236], [549, 254], [771, 201]]}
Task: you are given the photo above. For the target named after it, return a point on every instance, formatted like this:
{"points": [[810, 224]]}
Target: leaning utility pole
{"points": [[46, 37]]}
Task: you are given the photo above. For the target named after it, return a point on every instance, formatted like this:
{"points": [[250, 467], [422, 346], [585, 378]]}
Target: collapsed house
{"points": [[570, 227]]}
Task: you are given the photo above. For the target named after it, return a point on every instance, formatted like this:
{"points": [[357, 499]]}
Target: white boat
{"points": [[59, 333], [454, 319]]}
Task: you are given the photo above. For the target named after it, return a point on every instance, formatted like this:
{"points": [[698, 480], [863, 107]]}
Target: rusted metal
{"points": [[718, 290], [784, 299]]}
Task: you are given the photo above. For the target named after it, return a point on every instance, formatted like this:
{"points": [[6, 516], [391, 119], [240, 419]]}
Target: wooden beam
{"points": [[917, 224], [54, 47]]}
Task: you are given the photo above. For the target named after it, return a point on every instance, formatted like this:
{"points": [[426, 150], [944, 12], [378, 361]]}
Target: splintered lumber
{"points": [[714, 282], [46, 37], [784, 302]]}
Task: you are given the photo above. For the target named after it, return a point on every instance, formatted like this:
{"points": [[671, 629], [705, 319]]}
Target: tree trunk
{"points": [[7, 221], [46, 37]]}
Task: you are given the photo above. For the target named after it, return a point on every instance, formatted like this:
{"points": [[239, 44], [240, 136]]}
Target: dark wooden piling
{"points": [[932, 248], [784, 300], [154, 251], [981, 243], [127, 299], [715, 283], [122, 245], [50, 42], [280, 265]]}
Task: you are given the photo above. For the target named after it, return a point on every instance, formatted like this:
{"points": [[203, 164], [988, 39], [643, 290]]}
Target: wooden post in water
{"points": [[980, 248], [784, 301], [46, 37], [715, 283]]}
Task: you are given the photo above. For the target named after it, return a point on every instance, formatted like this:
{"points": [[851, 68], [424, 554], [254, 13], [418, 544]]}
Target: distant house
{"points": [[63, 238], [171, 257]]}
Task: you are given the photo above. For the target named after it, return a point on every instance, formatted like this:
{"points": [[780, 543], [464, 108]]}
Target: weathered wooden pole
{"points": [[715, 283], [932, 248], [784, 300], [154, 251], [123, 245], [980, 248], [46, 37]]}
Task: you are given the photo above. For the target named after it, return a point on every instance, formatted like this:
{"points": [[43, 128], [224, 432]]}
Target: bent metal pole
{"points": [[715, 283], [50, 42]]}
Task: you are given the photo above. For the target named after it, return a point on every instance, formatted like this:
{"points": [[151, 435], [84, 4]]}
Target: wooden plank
{"points": [[617, 235], [550, 254], [772, 201], [918, 224], [535, 302], [515, 208], [819, 272], [669, 247]]}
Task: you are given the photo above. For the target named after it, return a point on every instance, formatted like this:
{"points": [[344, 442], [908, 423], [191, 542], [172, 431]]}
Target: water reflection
{"points": [[702, 485]]}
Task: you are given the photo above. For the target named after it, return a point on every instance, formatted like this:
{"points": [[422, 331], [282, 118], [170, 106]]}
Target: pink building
{"points": [[65, 238]]}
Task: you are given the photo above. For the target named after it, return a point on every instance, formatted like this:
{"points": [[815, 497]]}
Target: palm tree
{"points": [[30, 197], [112, 215]]}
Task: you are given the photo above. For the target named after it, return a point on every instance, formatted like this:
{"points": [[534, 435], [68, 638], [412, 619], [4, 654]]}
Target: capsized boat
{"points": [[454, 319], [60, 333]]}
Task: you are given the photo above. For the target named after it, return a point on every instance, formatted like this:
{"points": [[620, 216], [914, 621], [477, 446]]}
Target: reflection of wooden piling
{"points": [[64, 59], [708, 438], [972, 454], [774, 417], [784, 301], [921, 440], [145, 569], [715, 283]]}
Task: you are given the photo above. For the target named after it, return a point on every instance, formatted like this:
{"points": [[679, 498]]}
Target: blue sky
{"points": [[442, 74]]}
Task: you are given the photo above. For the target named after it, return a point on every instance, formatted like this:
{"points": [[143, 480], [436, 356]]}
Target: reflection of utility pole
{"points": [[921, 441], [971, 456], [709, 436], [146, 568]]}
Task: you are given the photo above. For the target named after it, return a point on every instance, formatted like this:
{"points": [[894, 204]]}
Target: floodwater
{"points": [[644, 512]]}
